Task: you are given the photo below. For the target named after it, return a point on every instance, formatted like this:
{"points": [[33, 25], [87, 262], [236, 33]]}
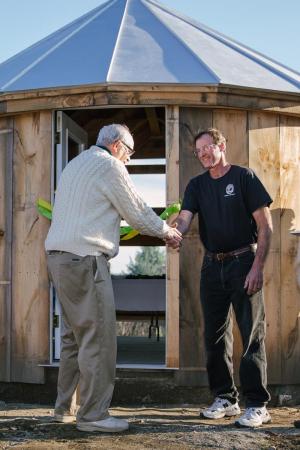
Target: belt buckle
{"points": [[220, 256]]}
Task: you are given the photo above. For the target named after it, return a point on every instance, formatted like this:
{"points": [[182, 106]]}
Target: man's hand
{"points": [[182, 224], [174, 237], [254, 280], [173, 244]]}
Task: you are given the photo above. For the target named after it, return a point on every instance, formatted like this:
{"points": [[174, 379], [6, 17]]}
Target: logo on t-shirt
{"points": [[229, 190]]}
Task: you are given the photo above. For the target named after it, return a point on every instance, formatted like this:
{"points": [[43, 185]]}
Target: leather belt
{"points": [[239, 251]]}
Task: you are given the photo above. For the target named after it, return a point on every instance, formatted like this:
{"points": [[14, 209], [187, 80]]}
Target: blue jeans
{"points": [[221, 289]]}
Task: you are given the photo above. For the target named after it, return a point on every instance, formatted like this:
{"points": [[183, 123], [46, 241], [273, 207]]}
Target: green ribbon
{"points": [[44, 208], [126, 233]]}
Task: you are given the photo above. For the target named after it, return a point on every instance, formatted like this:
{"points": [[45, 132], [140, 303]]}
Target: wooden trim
{"points": [[151, 95], [9, 237], [172, 287], [6, 286], [146, 169], [149, 87], [52, 92]]}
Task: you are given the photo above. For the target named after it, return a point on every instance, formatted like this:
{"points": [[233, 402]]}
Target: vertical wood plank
{"points": [[172, 176], [264, 159], [290, 220], [233, 125], [192, 352], [6, 151], [30, 314]]}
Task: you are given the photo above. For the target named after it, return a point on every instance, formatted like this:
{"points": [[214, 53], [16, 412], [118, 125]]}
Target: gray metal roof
{"points": [[141, 41]]}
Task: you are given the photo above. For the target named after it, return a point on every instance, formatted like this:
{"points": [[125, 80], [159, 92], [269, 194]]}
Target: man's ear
{"points": [[222, 147], [114, 146]]}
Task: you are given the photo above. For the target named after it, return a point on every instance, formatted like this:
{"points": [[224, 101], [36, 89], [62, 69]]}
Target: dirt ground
{"points": [[162, 427]]}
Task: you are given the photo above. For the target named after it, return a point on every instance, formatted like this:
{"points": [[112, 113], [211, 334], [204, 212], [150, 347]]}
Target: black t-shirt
{"points": [[225, 206]]}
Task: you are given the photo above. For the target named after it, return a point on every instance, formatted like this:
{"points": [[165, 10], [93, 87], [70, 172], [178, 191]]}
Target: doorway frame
{"points": [[172, 196]]}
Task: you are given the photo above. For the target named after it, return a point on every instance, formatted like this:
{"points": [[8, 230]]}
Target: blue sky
{"points": [[269, 26]]}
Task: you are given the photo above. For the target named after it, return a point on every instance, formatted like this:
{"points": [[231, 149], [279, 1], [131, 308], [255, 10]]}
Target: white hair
{"points": [[114, 132]]}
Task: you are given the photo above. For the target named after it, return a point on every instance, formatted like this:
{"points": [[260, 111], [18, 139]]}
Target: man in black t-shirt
{"points": [[235, 228]]}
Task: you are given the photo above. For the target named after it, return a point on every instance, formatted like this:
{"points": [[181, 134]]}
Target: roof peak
{"points": [[141, 41]]}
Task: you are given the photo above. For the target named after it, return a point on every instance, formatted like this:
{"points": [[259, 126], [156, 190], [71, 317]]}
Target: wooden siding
{"points": [[6, 151], [172, 175], [264, 159], [269, 144], [192, 354], [234, 126], [30, 295], [290, 220]]}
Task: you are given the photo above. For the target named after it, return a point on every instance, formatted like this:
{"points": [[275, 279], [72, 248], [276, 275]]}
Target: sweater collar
{"points": [[103, 148]]}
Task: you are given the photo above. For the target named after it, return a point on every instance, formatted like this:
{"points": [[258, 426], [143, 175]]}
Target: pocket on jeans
{"points": [[246, 258], [207, 262], [100, 269], [75, 276]]}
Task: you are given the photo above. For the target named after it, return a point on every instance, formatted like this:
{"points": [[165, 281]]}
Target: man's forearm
{"points": [[263, 245], [182, 225]]}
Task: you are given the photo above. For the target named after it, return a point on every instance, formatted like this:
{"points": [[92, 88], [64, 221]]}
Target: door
{"points": [[72, 140]]}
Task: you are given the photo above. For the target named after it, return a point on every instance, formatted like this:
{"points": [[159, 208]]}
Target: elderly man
{"points": [[234, 219], [94, 193]]}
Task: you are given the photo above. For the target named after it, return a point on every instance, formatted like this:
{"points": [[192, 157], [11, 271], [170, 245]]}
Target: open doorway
{"points": [[139, 271]]}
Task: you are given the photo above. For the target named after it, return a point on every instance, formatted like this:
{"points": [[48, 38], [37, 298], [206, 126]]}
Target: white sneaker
{"points": [[63, 418], [109, 425], [254, 417], [221, 408]]}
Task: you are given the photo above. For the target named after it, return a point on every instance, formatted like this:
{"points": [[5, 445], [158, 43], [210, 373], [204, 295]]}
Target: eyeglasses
{"points": [[204, 148], [129, 150]]}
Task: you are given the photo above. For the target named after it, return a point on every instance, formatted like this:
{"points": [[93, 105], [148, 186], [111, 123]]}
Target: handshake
{"points": [[173, 237]]}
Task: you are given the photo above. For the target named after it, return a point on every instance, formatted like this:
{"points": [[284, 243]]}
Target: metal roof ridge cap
{"points": [[217, 78], [52, 49], [231, 40], [255, 90], [254, 56], [232, 44], [245, 48], [117, 41]]}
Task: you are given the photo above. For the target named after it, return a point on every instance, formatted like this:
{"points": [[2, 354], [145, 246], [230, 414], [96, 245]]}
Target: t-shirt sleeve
{"points": [[254, 193], [190, 199]]}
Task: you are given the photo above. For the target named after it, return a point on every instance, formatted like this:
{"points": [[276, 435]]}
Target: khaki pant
{"points": [[88, 334]]}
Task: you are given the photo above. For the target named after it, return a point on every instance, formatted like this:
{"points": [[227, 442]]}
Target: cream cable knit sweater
{"points": [[93, 194]]}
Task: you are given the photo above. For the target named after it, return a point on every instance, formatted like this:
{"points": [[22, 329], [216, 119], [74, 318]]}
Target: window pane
{"points": [[152, 188], [151, 262]]}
